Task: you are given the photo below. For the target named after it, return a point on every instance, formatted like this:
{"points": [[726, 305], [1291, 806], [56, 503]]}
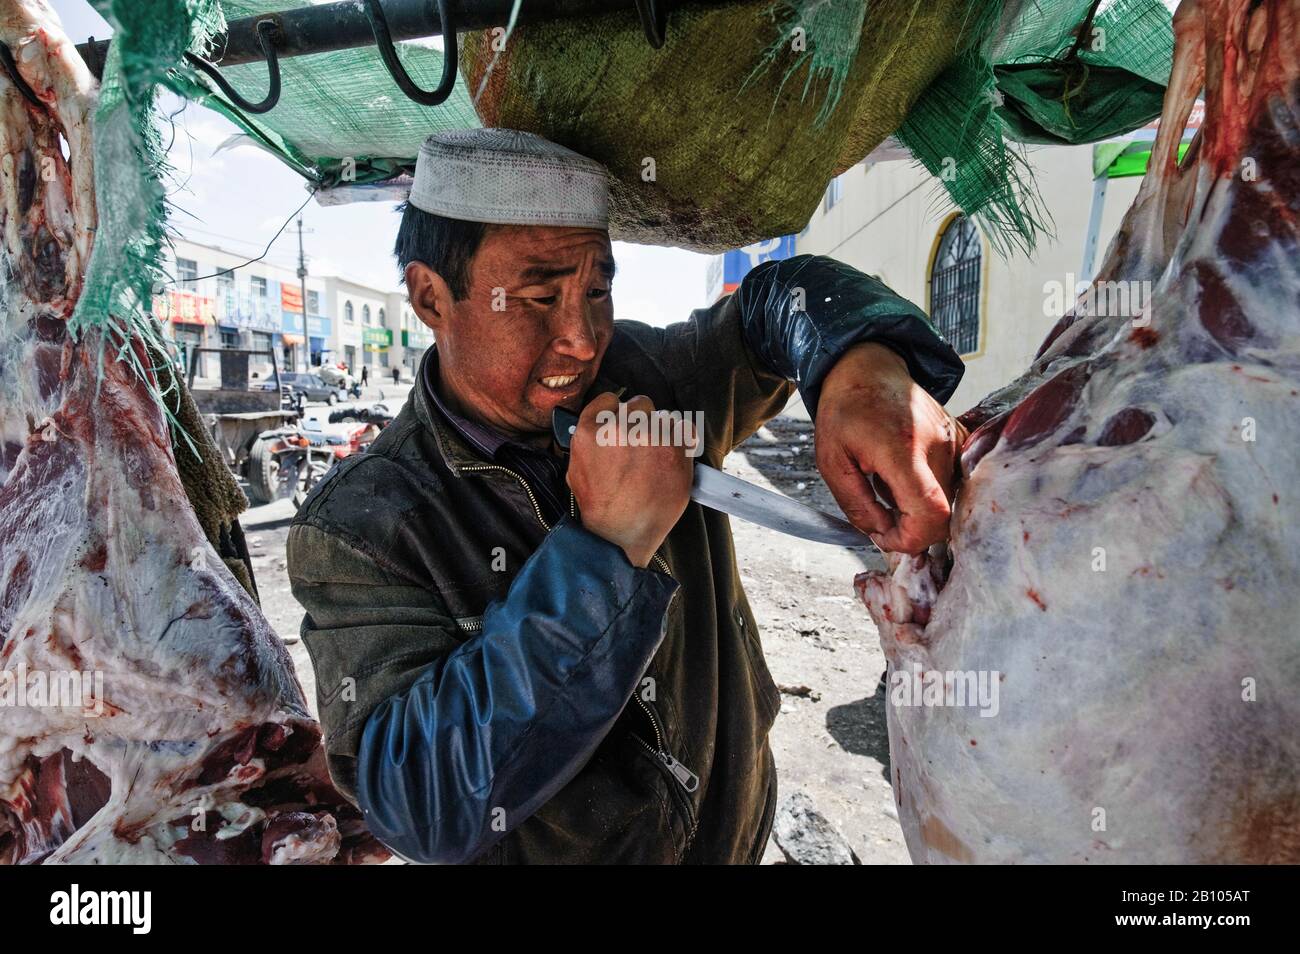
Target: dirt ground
{"points": [[830, 739]]}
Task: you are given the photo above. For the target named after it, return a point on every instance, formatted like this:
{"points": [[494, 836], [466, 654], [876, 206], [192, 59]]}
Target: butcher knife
{"points": [[718, 491]]}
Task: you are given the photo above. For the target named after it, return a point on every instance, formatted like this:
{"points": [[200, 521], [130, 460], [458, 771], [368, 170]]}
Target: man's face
{"points": [[531, 332]]}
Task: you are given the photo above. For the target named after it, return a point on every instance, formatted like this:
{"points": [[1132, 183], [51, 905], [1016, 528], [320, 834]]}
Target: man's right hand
{"points": [[630, 495]]}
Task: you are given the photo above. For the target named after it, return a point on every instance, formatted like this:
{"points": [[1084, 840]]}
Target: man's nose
{"points": [[575, 329]]}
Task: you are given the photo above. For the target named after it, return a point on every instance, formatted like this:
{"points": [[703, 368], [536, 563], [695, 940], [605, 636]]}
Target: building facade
{"points": [[889, 220], [219, 300], [361, 315], [414, 337]]}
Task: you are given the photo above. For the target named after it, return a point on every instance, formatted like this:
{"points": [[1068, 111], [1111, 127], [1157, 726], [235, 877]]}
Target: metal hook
{"points": [[654, 20], [384, 40], [10, 67], [267, 35]]}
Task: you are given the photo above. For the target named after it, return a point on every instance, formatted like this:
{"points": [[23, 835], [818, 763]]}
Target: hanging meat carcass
{"points": [[1103, 665], [150, 714]]}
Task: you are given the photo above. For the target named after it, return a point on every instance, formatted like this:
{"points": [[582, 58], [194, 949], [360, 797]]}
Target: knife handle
{"points": [[563, 424]]}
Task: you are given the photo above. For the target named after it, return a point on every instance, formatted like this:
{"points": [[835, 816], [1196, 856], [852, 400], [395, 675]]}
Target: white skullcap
{"points": [[508, 177]]}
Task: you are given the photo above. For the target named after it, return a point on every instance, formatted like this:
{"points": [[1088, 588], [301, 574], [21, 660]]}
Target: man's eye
{"points": [[542, 299], [598, 293]]}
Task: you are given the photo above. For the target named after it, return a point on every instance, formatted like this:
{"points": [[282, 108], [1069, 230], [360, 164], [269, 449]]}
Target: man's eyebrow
{"points": [[543, 272]]}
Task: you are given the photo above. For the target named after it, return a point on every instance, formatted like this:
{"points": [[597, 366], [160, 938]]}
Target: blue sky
{"points": [[237, 198]]}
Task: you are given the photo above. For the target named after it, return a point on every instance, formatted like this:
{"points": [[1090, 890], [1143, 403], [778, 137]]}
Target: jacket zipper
{"points": [[686, 780], [528, 490], [685, 777]]}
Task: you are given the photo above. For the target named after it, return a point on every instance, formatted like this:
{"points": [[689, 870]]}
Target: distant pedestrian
{"points": [[397, 376], [365, 374]]}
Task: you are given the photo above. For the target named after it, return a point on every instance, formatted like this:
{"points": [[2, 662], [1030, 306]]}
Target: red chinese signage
{"points": [[185, 308]]}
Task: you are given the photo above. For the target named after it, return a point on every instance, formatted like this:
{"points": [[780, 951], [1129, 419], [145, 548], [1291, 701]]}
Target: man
{"points": [[397, 375], [528, 657], [365, 375]]}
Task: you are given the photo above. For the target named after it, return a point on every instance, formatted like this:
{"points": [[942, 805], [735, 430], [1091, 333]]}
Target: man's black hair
{"points": [[445, 245]]}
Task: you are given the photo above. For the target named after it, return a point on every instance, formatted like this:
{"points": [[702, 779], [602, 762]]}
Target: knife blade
{"points": [[732, 495]]}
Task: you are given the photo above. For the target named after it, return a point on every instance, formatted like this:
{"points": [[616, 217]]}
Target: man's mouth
{"points": [[559, 382]]}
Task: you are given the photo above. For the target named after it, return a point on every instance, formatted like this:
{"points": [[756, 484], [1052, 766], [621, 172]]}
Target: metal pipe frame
{"points": [[345, 25]]}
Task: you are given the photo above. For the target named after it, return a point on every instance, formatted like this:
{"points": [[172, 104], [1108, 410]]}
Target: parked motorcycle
{"points": [[347, 431]]}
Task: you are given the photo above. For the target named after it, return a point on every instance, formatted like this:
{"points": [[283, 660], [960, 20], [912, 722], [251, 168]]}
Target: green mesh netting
{"points": [[836, 27], [126, 264], [340, 116], [1056, 71], [954, 133], [1104, 81]]}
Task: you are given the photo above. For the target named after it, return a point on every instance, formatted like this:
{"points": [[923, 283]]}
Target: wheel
{"points": [[268, 480], [263, 473], [308, 477], [333, 398]]}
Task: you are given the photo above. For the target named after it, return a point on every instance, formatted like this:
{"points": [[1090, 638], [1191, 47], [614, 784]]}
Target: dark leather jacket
{"points": [[495, 689]]}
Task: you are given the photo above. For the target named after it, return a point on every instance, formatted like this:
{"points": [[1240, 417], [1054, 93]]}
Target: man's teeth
{"points": [[559, 380]]}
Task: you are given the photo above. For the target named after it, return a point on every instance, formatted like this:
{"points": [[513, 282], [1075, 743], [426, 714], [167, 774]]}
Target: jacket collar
{"points": [[456, 451]]}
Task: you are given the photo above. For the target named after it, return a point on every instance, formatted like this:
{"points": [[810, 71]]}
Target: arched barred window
{"points": [[955, 285]]}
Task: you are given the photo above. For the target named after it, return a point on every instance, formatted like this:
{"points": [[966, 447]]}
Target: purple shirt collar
{"points": [[543, 472], [485, 439]]}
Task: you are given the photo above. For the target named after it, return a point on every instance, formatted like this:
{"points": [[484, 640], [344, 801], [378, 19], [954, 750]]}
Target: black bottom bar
{"points": [[899, 907]]}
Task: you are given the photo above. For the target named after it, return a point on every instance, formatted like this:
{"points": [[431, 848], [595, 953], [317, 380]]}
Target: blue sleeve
{"points": [[801, 314], [495, 728]]}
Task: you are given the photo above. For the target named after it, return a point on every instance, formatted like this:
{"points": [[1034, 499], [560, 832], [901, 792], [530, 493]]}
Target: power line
{"points": [[186, 231], [277, 258], [227, 271]]}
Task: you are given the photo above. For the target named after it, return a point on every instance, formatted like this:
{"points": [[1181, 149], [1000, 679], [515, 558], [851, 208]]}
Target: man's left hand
{"points": [[872, 418]]}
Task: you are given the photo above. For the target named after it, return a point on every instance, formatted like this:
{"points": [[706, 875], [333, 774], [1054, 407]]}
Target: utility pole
{"points": [[302, 281]]}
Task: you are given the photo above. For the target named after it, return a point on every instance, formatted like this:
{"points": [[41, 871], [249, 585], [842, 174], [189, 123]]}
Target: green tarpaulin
{"points": [[1097, 78]]}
